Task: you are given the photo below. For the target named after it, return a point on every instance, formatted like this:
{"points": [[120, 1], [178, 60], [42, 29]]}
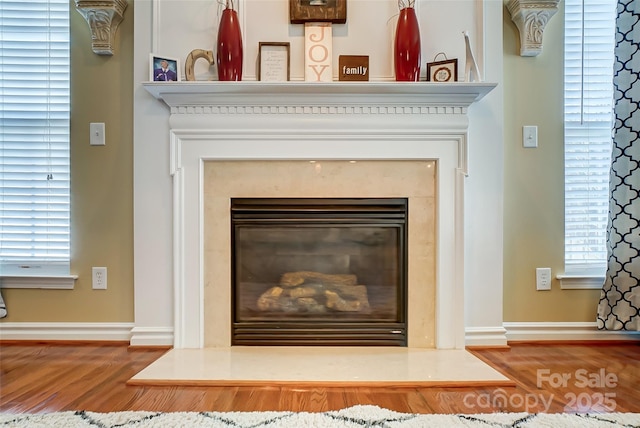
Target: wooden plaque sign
{"points": [[303, 11], [353, 68], [318, 52]]}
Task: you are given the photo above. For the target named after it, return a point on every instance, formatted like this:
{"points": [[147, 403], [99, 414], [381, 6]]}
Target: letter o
{"points": [[517, 401], [556, 380], [325, 53]]}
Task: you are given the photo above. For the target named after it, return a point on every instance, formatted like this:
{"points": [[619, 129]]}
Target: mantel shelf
{"points": [[200, 93]]}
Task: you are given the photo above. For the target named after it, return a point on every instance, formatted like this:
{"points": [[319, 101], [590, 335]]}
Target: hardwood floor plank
{"points": [[337, 399], [303, 399], [50, 377], [562, 371]]}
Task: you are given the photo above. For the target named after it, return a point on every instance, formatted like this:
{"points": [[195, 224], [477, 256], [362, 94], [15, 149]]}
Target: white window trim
{"points": [[48, 90], [580, 282], [58, 282], [583, 277], [48, 277], [588, 273]]}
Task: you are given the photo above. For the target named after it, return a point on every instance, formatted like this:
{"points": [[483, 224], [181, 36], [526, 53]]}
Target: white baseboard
{"points": [[65, 331], [564, 331], [152, 336], [485, 336], [163, 336]]}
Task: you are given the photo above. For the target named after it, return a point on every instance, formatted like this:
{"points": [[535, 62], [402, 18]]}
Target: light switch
{"points": [[96, 134], [530, 136]]}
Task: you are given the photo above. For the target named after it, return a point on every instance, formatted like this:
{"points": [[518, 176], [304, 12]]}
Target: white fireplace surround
{"points": [[175, 27], [336, 121]]}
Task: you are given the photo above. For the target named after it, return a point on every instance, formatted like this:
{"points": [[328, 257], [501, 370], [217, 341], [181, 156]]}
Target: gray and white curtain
{"points": [[619, 306]]}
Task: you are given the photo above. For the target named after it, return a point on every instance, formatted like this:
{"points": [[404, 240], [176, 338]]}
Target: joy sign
{"points": [[318, 55]]}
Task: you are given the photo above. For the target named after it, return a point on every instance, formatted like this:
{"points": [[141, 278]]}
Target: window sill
{"points": [[580, 282], [45, 282]]}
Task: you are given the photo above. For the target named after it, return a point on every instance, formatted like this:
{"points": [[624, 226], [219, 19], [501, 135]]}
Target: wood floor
{"points": [[47, 377]]}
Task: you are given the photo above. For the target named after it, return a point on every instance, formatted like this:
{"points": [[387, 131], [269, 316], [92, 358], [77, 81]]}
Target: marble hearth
{"points": [[335, 140]]}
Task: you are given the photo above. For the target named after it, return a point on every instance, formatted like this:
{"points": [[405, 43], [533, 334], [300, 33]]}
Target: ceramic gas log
{"points": [[315, 292]]}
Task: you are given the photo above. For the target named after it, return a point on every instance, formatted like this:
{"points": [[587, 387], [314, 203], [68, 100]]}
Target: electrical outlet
{"points": [[543, 278], [99, 278]]}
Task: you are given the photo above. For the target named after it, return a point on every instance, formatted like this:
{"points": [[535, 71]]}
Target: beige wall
{"points": [[101, 188], [534, 203], [102, 177]]}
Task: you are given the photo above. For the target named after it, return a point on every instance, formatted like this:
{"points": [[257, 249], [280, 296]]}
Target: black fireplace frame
{"points": [[329, 212]]}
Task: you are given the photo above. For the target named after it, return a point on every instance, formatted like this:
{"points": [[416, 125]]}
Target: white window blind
{"points": [[588, 114], [34, 137]]}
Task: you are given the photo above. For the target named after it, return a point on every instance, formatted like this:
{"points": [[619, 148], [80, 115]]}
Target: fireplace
{"points": [[375, 140], [402, 184], [319, 271]]}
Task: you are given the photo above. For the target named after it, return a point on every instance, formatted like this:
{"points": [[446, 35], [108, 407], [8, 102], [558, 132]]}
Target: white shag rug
{"points": [[356, 416]]}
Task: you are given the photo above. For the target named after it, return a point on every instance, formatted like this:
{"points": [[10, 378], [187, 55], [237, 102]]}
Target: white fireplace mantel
{"points": [[199, 94], [383, 107], [293, 121], [180, 126]]}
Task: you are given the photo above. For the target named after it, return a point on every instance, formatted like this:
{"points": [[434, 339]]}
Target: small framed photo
{"points": [[274, 61], [163, 69], [443, 71], [334, 11]]}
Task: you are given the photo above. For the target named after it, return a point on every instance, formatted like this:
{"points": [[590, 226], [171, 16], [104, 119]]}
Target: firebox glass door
{"points": [[318, 270]]}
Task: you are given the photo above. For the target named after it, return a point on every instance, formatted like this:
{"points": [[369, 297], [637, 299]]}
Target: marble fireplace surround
{"points": [[421, 123], [411, 179]]}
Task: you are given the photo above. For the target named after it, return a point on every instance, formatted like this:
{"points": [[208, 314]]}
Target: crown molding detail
{"points": [[321, 109], [531, 18], [312, 98], [103, 17]]}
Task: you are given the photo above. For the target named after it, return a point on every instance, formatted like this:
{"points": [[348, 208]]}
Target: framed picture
{"points": [[163, 69], [274, 61], [443, 71], [334, 11]]}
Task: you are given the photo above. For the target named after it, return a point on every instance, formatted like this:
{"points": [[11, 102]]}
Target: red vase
{"points": [[407, 46], [229, 55]]}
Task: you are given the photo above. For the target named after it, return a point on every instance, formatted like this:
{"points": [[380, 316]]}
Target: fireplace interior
{"points": [[319, 271]]}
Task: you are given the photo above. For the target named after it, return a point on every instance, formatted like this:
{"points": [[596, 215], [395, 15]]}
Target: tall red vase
{"points": [[229, 55], [407, 46]]}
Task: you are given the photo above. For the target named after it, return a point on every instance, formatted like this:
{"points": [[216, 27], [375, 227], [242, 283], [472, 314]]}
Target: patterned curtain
{"points": [[619, 306]]}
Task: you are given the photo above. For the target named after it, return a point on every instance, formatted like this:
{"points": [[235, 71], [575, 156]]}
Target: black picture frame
{"points": [[443, 71]]}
